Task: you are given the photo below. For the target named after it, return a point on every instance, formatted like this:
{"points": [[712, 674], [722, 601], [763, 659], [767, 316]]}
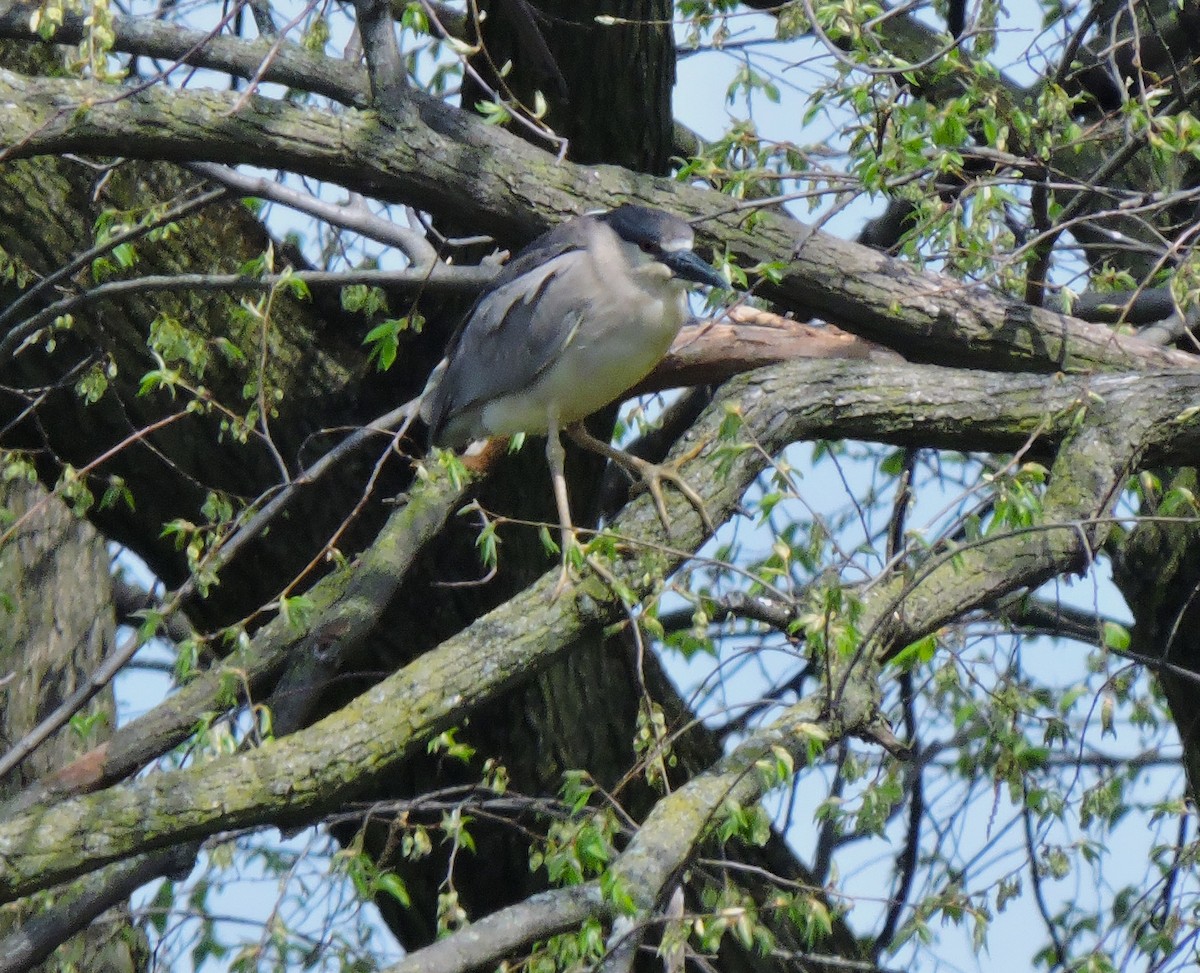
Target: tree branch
{"points": [[337, 604], [39, 935], [516, 189], [1085, 481], [348, 216], [664, 844], [385, 66], [268, 59], [441, 277], [295, 779], [488, 941]]}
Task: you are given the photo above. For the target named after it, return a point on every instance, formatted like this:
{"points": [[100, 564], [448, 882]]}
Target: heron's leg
{"points": [[556, 459], [650, 474]]}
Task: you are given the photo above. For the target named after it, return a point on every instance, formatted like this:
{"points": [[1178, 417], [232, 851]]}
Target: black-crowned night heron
{"points": [[570, 324]]}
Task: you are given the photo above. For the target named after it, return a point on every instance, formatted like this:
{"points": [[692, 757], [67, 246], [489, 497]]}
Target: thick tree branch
{"points": [[488, 941], [385, 66], [342, 605], [516, 189], [267, 59], [1086, 478], [38, 937], [665, 843], [297, 778]]}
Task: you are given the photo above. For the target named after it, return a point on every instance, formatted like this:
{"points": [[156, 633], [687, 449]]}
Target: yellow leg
{"points": [[566, 528], [650, 474]]}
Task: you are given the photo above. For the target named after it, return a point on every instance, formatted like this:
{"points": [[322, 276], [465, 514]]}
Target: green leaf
{"points": [[391, 884], [1116, 637], [493, 113], [914, 654], [384, 340], [893, 463]]}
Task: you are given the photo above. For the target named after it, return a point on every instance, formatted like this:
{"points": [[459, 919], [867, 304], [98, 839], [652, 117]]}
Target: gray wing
{"points": [[513, 334]]}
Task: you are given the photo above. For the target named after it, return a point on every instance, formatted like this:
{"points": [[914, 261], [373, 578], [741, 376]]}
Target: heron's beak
{"points": [[687, 265]]}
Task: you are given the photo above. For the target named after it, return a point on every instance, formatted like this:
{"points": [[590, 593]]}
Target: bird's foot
{"points": [[651, 478], [650, 475]]}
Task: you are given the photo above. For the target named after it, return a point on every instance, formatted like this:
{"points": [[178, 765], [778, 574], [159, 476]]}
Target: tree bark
{"points": [[58, 624]]}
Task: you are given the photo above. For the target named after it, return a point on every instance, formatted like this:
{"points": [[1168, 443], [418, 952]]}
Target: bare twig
{"points": [[440, 277], [354, 216]]}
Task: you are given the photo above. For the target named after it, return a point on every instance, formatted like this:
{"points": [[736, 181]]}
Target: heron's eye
{"points": [[646, 247]]}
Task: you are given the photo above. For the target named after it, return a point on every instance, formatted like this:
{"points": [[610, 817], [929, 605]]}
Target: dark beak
{"points": [[687, 266]]}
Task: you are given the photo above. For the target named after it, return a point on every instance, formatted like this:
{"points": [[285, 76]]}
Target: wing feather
{"points": [[512, 335]]}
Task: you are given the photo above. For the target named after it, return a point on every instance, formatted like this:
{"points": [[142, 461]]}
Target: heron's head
{"points": [[663, 238]]}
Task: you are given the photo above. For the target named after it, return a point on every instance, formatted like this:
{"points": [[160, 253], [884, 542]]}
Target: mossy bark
{"points": [[57, 624]]}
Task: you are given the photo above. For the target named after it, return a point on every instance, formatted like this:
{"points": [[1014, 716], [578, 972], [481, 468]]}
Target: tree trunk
{"points": [[58, 625]]}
